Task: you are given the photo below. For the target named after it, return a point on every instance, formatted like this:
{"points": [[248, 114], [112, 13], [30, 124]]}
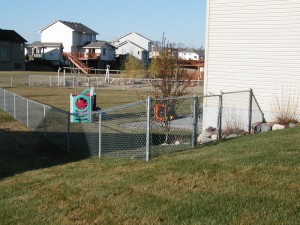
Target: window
{"points": [[104, 51], [3, 52]]}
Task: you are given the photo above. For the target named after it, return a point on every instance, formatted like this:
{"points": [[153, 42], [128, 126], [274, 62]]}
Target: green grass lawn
{"points": [[253, 179]]}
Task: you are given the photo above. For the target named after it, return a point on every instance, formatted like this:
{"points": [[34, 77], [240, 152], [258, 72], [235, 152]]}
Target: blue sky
{"points": [[182, 21]]}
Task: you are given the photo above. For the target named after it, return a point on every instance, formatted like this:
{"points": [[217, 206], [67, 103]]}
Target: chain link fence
{"points": [[77, 80], [140, 130]]}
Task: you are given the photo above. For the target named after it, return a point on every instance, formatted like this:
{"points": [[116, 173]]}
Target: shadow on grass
{"points": [[22, 151]]}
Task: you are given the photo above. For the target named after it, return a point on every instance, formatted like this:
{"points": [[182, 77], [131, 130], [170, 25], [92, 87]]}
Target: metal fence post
{"points": [[100, 140], [15, 106], [64, 77], [195, 121], [29, 80], [50, 81], [68, 134], [220, 115], [250, 110], [45, 123], [27, 113], [148, 129], [4, 101], [11, 81]]}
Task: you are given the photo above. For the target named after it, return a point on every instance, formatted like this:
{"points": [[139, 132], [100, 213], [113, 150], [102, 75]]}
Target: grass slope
{"points": [[248, 180]]}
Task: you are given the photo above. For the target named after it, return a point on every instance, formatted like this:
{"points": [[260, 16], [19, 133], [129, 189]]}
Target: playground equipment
{"points": [[164, 112], [82, 105]]}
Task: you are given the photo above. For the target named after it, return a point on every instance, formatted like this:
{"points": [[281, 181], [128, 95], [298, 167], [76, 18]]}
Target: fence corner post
{"points": [[15, 116], [4, 100], [148, 129], [27, 113], [220, 114], [45, 123], [250, 110], [100, 135]]}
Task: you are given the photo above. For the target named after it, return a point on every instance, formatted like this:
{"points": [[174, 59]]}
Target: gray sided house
{"points": [[11, 50]]}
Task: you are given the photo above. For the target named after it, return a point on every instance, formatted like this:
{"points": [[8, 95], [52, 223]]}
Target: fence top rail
{"points": [[235, 92], [92, 69], [102, 76], [122, 106], [36, 102]]}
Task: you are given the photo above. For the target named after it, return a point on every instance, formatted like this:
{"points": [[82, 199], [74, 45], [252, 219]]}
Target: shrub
{"points": [[286, 107]]}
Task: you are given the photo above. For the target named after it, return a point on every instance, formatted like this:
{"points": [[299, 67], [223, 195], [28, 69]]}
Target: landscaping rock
{"points": [[256, 127], [209, 131], [177, 142], [292, 125], [231, 136], [214, 137], [265, 127], [278, 127], [202, 138], [206, 135], [205, 140]]}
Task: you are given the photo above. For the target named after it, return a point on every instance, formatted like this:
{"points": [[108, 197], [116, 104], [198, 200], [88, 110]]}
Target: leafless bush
{"points": [[233, 122], [286, 106]]}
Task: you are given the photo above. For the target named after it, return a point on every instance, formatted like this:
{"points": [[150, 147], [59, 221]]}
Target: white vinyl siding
{"points": [[253, 44]]}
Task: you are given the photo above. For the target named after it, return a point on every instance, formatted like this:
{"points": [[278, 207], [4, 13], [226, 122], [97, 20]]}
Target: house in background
{"points": [[49, 51], [101, 49], [254, 46], [11, 50], [135, 45], [72, 35], [187, 54], [63, 42]]}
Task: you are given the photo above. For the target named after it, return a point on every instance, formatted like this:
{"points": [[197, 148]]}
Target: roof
{"points": [[98, 44], [79, 27], [11, 36], [132, 33], [45, 44], [130, 42]]}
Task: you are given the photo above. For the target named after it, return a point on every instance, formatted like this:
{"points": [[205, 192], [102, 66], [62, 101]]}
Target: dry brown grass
{"points": [[286, 107]]}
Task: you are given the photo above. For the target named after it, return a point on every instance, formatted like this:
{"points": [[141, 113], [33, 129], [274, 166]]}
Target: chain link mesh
{"points": [[123, 131], [171, 125], [235, 111], [210, 107], [140, 130], [14, 81]]}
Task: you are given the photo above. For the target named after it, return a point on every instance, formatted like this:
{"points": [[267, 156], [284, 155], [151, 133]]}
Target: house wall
{"points": [[130, 48], [110, 53], [60, 33], [254, 44], [139, 40], [15, 59], [52, 54], [80, 39]]}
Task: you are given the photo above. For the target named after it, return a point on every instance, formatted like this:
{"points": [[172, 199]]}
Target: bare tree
{"points": [[172, 83]]}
